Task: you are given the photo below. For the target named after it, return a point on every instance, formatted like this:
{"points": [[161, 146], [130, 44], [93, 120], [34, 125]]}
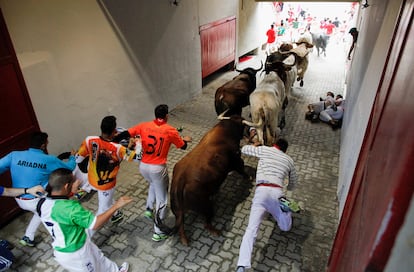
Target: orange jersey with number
{"points": [[156, 140], [104, 161]]}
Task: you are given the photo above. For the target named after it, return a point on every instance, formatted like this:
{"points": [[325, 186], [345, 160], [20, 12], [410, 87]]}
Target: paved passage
{"points": [[315, 150]]}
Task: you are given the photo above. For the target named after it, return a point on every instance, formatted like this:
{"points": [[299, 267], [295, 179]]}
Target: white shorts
{"points": [[89, 258]]}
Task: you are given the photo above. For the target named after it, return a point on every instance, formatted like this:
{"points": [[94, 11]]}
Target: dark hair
{"points": [[282, 144], [340, 96], [331, 94], [353, 30], [108, 124], [161, 111], [38, 138], [58, 178]]}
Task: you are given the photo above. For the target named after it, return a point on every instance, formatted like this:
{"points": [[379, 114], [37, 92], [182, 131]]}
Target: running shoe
{"points": [[240, 269], [25, 241], [117, 217], [288, 205], [159, 237], [124, 267], [148, 214]]}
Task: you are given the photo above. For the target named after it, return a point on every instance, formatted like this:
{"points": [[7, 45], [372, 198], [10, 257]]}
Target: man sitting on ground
{"points": [[333, 114], [315, 108]]}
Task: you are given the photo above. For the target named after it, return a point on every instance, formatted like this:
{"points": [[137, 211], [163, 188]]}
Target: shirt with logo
{"points": [[105, 158], [66, 221], [156, 139], [32, 167]]}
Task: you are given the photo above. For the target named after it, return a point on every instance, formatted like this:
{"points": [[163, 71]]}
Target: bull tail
{"points": [[176, 197], [161, 225], [259, 124], [266, 127]]}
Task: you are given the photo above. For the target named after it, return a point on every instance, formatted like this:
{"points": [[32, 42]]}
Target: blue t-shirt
{"points": [[32, 167]]}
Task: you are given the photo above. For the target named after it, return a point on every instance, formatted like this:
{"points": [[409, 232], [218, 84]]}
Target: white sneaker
{"points": [[124, 267], [240, 269]]}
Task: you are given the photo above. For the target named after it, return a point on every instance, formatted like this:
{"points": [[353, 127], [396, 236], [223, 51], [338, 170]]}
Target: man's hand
{"points": [[122, 201], [187, 138], [36, 191], [131, 143], [257, 143]]}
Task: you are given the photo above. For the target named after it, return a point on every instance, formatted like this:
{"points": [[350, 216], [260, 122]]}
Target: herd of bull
{"points": [[200, 173]]}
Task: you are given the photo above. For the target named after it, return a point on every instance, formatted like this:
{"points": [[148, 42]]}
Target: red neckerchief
{"points": [[159, 121], [276, 146]]}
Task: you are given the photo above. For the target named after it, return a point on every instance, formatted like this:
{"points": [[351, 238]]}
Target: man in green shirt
{"points": [[69, 224]]}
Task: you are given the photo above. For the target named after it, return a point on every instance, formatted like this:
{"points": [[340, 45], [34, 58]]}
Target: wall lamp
{"points": [[174, 2]]}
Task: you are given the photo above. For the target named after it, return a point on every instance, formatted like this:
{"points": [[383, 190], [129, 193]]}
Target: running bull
{"points": [[234, 94], [199, 174], [268, 102]]}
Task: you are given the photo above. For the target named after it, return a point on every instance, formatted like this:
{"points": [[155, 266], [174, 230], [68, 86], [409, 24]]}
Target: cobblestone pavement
{"points": [[315, 150]]}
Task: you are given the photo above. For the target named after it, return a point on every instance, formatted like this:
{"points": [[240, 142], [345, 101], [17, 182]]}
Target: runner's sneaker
{"points": [[124, 267], [288, 205], [80, 194], [159, 237], [118, 216], [148, 214], [25, 241], [240, 269]]}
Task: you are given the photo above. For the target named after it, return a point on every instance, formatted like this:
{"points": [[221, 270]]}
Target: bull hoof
{"points": [[297, 79], [301, 83], [184, 241], [213, 231]]}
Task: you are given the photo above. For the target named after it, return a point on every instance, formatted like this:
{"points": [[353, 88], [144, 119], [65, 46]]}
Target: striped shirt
{"points": [[274, 165]]}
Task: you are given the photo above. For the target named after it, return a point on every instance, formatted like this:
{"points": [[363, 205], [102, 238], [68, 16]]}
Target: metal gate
{"points": [[218, 44]]}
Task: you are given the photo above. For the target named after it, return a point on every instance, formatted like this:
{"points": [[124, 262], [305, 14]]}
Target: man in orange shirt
{"points": [[157, 137], [104, 161]]}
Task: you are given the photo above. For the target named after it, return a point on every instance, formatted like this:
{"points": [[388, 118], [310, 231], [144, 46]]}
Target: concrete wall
{"points": [[84, 59], [254, 19], [75, 69], [376, 25]]}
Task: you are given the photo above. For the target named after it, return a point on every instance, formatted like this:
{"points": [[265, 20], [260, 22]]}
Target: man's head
{"points": [[338, 100], [282, 144], [161, 111], [39, 140], [330, 94], [108, 125], [62, 182], [353, 30]]}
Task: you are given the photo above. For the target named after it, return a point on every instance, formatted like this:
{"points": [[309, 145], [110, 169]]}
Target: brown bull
{"points": [[234, 94], [199, 174]]}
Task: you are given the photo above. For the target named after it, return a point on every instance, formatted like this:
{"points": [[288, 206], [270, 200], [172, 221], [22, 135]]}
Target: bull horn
{"points": [[222, 117], [261, 66], [290, 61]]}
